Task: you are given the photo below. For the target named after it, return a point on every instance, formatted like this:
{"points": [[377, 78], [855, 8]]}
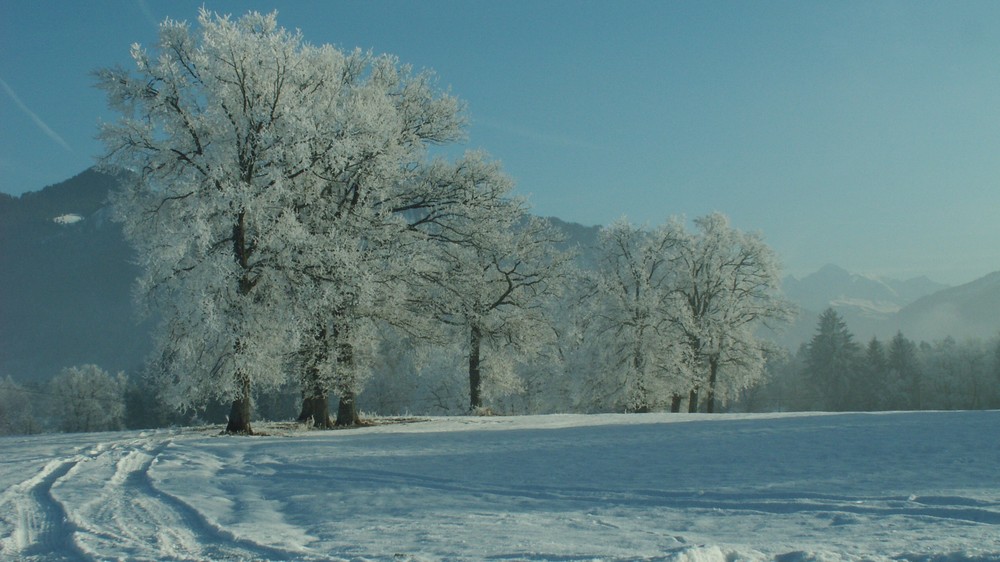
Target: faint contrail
{"points": [[38, 120], [147, 13]]}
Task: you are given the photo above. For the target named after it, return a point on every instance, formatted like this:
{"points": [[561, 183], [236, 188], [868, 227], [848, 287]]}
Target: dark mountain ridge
{"points": [[65, 285]]}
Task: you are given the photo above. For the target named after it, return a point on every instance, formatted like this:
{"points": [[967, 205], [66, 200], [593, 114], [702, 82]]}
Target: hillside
{"points": [[65, 285], [969, 310]]}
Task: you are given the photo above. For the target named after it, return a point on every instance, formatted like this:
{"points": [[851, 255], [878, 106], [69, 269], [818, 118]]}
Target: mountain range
{"points": [[66, 274], [921, 309]]}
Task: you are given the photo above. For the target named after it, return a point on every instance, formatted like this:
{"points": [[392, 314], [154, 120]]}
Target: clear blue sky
{"points": [[865, 134]]}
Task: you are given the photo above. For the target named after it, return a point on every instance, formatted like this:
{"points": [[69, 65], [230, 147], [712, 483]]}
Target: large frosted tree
{"points": [[493, 270], [284, 204], [728, 284], [363, 229], [644, 359], [221, 130]]}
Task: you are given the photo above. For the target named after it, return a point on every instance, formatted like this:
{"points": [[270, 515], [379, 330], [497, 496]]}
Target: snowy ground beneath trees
{"points": [[788, 488]]}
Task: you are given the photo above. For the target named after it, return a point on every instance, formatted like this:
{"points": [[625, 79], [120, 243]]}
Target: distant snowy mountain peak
{"points": [[876, 306], [833, 285], [69, 218]]}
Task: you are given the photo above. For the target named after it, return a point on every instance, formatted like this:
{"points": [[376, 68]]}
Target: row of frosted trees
{"points": [[81, 398], [835, 372], [290, 218]]}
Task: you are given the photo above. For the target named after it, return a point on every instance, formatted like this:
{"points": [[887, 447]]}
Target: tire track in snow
{"points": [[215, 542], [41, 528], [125, 519], [132, 518]]}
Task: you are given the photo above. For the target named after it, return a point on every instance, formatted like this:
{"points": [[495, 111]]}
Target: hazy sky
{"points": [[865, 134]]}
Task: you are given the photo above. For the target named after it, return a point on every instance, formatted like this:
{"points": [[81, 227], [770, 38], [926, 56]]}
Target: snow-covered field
{"points": [[788, 488]]}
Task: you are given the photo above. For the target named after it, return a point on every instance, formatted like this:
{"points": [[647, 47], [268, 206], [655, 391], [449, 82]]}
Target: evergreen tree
{"points": [[994, 382], [873, 386], [904, 380], [832, 362]]}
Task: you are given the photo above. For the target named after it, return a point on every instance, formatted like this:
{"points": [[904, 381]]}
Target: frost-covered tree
{"points": [[257, 156], [493, 270], [956, 375], [643, 356], [374, 219], [728, 284], [17, 415], [87, 398]]}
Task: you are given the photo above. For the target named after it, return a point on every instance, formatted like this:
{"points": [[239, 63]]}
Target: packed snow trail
{"points": [[783, 488]]}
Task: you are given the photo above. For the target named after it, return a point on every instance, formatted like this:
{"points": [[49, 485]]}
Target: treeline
{"points": [[78, 399], [665, 319], [296, 231], [834, 372]]}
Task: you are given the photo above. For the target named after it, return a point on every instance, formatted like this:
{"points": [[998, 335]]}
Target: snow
{"points": [[694, 488]]}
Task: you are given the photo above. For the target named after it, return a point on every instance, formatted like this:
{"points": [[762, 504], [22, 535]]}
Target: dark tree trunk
{"points": [[475, 377], [675, 403], [239, 414], [693, 401], [316, 408], [315, 404], [713, 376], [642, 401], [347, 411]]}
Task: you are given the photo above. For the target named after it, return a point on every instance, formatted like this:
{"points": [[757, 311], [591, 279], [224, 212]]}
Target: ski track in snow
{"points": [[117, 509], [795, 489]]}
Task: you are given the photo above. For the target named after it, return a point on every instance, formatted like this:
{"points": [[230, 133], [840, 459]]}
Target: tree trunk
{"points": [[642, 395], [316, 408], [347, 411], [675, 403], [693, 401], [713, 375], [475, 377], [315, 404], [239, 414]]}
